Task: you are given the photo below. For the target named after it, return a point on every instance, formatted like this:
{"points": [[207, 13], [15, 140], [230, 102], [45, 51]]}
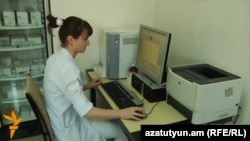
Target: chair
{"points": [[36, 100]]}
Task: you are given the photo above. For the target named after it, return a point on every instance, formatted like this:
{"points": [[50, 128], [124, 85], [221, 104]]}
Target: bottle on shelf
{"points": [[132, 70]]}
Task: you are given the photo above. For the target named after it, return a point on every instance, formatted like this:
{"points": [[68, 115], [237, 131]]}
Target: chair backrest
{"points": [[36, 100]]}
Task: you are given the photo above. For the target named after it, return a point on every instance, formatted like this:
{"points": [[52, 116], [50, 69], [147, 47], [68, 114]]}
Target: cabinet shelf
{"points": [[10, 101], [20, 27], [29, 47], [18, 77]]}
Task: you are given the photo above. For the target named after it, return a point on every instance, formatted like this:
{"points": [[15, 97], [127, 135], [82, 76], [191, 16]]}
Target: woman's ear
{"points": [[70, 40]]}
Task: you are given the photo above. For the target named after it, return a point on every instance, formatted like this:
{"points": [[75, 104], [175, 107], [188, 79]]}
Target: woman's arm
{"points": [[93, 83], [128, 113]]}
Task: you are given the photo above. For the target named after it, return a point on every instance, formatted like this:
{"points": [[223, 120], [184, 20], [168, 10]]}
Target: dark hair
{"points": [[71, 26]]}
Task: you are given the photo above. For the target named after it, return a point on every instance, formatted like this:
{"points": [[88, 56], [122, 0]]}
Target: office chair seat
{"points": [[36, 100]]}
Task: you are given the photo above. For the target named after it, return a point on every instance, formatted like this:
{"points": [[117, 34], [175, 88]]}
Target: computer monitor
{"points": [[152, 53]]}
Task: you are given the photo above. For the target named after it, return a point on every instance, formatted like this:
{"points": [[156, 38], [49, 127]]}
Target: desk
{"points": [[162, 113]]}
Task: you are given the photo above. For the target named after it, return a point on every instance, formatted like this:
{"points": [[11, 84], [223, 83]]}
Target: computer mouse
{"points": [[140, 116], [97, 81]]}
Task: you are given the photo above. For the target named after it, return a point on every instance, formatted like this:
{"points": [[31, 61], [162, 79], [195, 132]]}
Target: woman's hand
{"points": [[134, 113], [93, 83]]}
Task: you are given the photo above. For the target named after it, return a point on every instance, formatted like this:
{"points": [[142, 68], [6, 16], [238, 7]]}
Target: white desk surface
{"points": [[162, 113]]}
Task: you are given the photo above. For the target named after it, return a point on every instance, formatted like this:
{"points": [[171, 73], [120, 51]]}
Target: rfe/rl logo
{"points": [[15, 121]]}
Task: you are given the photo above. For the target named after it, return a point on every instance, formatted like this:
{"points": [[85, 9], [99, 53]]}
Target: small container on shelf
{"points": [[132, 70]]}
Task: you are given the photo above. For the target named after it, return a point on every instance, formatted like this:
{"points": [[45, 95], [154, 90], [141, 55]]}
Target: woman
{"points": [[73, 116]]}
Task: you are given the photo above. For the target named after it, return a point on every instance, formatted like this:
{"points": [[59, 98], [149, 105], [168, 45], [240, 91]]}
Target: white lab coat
{"points": [[65, 100]]}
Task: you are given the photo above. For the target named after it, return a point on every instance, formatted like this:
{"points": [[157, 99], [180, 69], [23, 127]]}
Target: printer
{"points": [[203, 93]]}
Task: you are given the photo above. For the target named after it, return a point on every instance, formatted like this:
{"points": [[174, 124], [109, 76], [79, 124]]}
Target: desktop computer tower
{"points": [[118, 51], [149, 90]]}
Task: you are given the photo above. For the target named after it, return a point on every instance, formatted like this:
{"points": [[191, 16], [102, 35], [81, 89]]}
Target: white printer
{"points": [[203, 93]]}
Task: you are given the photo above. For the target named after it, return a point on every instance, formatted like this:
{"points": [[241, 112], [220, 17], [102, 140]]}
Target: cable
{"points": [[152, 108], [142, 99], [136, 95], [238, 114]]}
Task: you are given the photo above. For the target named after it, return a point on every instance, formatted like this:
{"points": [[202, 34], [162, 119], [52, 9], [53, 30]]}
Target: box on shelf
{"points": [[17, 41], [7, 61], [16, 92], [4, 41], [9, 18], [35, 68], [35, 17], [41, 67], [22, 18], [35, 40], [6, 72], [26, 112], [22, 69]]}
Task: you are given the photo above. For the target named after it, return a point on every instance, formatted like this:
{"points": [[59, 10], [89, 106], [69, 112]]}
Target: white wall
{"points": [[103, 14], [212, 31]]}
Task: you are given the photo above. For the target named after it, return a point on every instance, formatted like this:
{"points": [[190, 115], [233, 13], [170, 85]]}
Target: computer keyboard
{"points": [[121, 95]]}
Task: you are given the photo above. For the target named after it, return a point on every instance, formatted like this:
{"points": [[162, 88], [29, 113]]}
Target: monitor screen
{"points": [[153, 53]]}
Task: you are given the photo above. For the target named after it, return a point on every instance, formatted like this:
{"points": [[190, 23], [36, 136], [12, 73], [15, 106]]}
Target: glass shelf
{"points": [[9, 101], [21, 27], [28, 47], [19, 77]]}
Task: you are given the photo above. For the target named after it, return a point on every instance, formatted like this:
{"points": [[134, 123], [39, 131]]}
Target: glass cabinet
{"points": [[24, 48]]}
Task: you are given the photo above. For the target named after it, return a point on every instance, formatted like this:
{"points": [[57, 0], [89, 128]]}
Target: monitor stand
{"points": [[147, 88]]}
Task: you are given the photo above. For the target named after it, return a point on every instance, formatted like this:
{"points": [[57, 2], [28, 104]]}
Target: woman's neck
{"points": [[71, 51]]}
